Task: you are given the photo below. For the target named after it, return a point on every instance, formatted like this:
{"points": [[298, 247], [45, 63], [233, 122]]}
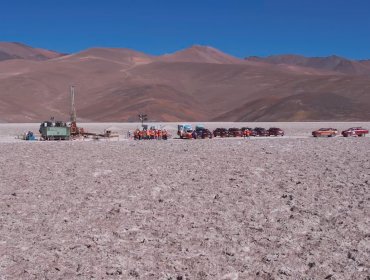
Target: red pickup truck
{"points": [[355, 131], [325, 132]]}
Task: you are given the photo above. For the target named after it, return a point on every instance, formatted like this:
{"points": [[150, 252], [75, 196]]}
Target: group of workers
{"points": [[150, 134]]}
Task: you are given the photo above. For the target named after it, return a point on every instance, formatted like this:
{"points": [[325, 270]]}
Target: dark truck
{"points": [[260, 131], [275, 131], [202, 132], [220, 132], [235, 132]]}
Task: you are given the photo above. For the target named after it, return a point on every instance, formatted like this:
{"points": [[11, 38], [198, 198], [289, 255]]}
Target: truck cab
{"points": [[185, 131]]}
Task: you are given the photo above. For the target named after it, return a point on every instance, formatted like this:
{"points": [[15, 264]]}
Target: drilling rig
{"points": [[58, 130], [75, 130]]}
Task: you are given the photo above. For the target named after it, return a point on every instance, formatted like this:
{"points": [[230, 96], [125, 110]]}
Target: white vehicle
{"points": [[185, 131]]}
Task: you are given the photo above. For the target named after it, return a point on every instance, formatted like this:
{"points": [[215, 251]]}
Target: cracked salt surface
{"points": [[279, 209]]}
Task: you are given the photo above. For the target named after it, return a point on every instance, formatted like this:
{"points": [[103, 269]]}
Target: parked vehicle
{"points": [[185, 131], [355, 131], [325, 132], [275, 131], [247, 131], [260, 131], [202, 132], [221, 132], [235, 132]]}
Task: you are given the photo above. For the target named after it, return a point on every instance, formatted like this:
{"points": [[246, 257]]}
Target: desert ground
{"points": [[292, 207]]}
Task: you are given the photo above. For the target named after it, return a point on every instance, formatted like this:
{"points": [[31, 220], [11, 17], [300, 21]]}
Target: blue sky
{"points": [[239, 27]]}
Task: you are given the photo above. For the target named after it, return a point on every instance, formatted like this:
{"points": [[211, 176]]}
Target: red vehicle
{"points": [[355, 131], [327, 132], [275, 131], [247, 131], [235, 132]]}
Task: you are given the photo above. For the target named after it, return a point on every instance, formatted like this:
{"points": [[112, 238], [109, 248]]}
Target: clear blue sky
{"points": [[239, 27]]}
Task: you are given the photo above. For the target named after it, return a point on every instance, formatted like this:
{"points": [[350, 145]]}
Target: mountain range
{"points": [[199, 83]]}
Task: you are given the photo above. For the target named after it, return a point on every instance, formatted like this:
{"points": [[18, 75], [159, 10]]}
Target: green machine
{"points": [[50, 130]]}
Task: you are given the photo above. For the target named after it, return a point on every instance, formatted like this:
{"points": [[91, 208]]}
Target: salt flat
{"points": [[9, 131], [295, 207]]}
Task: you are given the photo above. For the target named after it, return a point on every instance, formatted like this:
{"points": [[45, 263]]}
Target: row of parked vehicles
{"points": [[186, 131], [247, 132], [331, 132]]}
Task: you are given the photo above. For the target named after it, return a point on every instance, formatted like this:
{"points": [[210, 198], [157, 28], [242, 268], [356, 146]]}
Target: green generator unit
{"points": [[55, 131]]}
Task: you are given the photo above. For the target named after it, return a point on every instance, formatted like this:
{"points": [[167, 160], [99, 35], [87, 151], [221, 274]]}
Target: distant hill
{"points": [[196, 84], [330, 63], [21, 51]]}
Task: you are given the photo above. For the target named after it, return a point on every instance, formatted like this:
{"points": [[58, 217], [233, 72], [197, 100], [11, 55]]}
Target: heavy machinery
{"points": [[51, 130], [58, 130], [75, 130]]}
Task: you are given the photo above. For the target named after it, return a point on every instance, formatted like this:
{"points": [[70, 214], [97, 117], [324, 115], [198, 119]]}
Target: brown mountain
{"points": [[330, 63], [21, 51], [196, 84], [365, 62], [204, 54]]}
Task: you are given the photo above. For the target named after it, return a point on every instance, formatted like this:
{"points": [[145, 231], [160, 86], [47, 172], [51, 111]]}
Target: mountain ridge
{"points": [[15, 50], [330, 63], [199, 83]]}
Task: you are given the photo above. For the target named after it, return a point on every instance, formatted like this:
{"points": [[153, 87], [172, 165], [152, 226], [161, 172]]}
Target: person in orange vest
{"points": [[152, 134], [159, 134]]}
